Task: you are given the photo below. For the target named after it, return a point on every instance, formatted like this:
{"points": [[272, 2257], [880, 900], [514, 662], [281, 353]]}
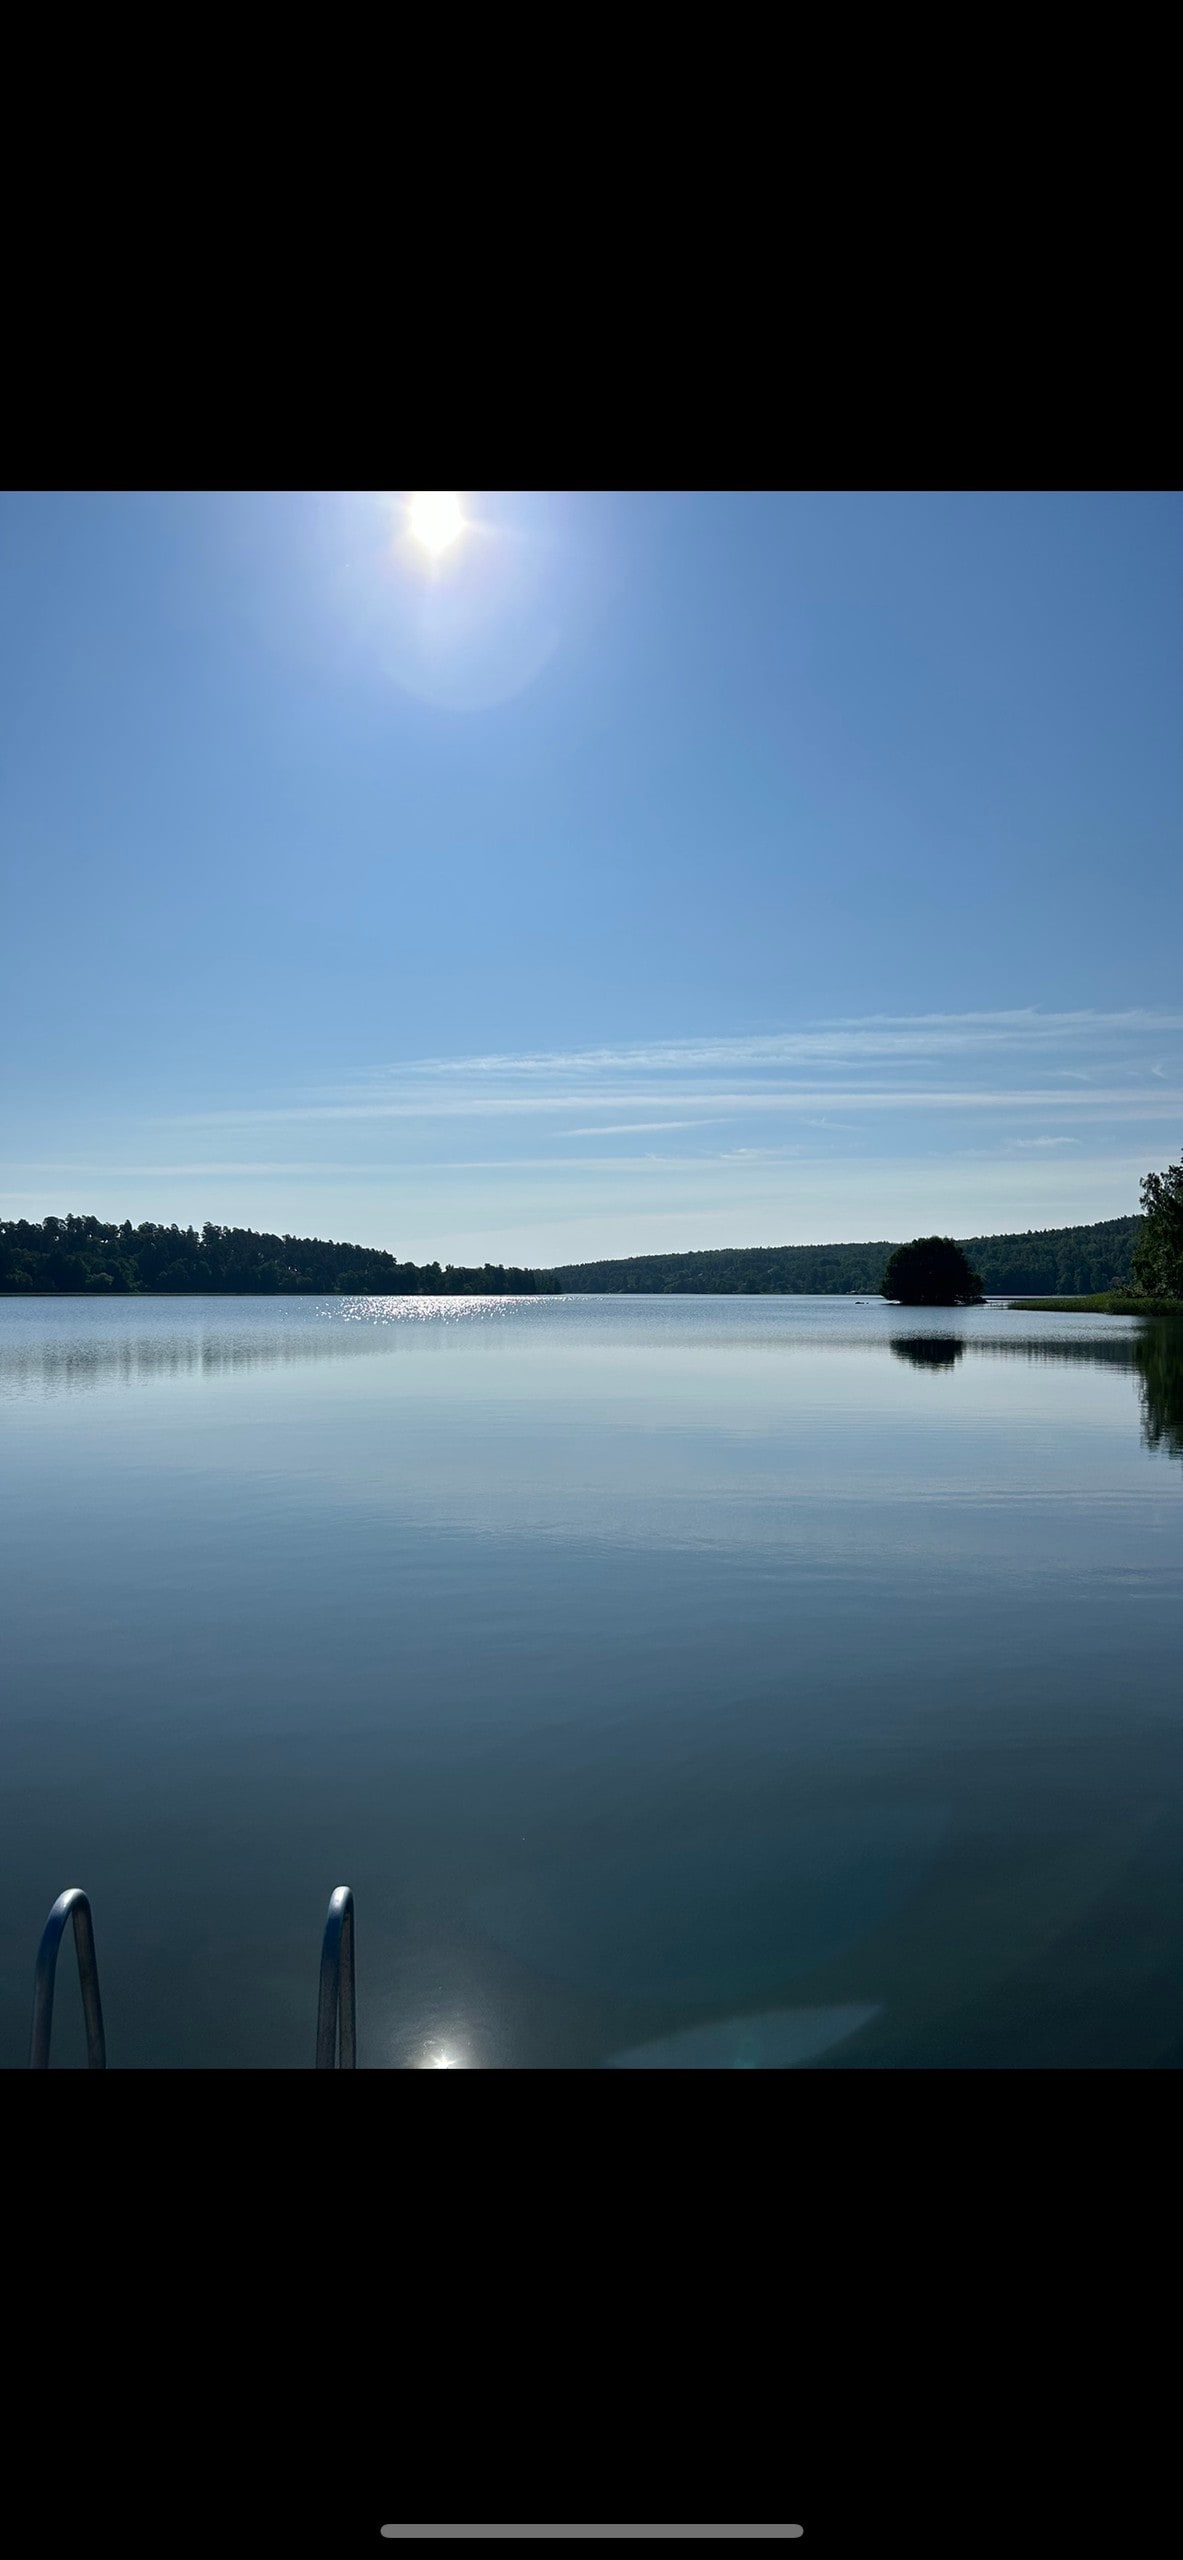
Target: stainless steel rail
{"points": [[71, 1905], [336, 2020], [338, 1998]]}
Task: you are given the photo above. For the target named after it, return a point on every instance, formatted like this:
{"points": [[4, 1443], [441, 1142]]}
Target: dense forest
{"points": [[69, 1255], [1051, 1262]]}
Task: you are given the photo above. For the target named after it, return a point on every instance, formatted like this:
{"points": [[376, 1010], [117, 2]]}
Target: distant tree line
{"points": [[79, 1255], [1048, 1262], [74, 1255]]}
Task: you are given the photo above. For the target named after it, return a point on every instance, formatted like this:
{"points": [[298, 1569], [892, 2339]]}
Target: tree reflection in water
{"points": [[929, 1350], [1155, 1354], [1158, 1357]]}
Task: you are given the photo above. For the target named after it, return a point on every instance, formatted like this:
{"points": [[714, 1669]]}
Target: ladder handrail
{"points": [[338, 1995], [73, 1905], [336, 2022]]}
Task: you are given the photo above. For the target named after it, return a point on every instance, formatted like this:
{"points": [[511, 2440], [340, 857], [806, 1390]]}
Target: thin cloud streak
{"points": [[639, 1128], [332, 1166], [875, 1035], [1123, 1100], [790, 1071], [851, 1124]]}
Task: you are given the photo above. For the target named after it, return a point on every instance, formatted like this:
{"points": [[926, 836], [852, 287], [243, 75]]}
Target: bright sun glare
{"points": [[436, 518]]}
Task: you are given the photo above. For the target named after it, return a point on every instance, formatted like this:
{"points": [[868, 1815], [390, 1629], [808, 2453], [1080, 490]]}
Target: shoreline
{"points": [[1108, 1302]]}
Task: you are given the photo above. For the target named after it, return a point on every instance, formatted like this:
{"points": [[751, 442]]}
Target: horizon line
{"points": [[832, 1244]]}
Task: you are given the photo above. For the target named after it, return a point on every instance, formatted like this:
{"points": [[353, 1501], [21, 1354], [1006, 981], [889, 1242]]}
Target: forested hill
{"points": [[70, 1255], [1046, 1262]]}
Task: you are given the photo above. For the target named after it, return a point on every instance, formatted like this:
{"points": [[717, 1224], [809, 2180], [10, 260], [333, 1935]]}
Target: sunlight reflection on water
{"points": [[674, 1679]]}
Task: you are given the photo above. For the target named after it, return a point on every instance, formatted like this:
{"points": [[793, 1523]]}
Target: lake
{"points": [[677, 1682]]}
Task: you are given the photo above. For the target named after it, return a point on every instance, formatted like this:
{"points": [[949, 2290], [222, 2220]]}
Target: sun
{"points": [[436, 518]]}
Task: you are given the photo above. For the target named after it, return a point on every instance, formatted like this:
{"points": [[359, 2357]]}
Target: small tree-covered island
{"points": [[931, 1272]]}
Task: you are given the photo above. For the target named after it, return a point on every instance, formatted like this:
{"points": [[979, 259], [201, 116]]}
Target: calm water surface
{"points": [[717, 1682]]}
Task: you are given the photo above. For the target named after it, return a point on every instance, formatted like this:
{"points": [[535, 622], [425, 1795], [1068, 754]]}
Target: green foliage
{"points": [[1051, 1260], [75, 1255], [932, 1271], [1158, 1260], [1108, 1302], [63, 1255], [761, 1270]]}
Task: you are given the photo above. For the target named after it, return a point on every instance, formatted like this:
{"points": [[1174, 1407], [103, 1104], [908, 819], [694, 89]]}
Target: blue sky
{"points": [[648, 871]]}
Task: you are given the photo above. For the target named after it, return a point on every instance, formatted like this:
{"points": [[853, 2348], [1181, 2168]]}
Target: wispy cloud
{"points": [[1117, 1101], [975, 1120], [1018, 1060], [227, 1165], [931, 1035], [637, 1128]]}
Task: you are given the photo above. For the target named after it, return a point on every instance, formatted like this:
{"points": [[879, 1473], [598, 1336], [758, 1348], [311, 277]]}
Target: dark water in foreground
{"points": [[705, 1681]]}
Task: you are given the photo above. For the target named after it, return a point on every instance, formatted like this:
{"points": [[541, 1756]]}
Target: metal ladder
{"points": [[336, 2017]]}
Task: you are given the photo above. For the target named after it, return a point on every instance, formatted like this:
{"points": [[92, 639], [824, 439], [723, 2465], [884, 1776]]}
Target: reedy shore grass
{"points": [[1109, 1302]]}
